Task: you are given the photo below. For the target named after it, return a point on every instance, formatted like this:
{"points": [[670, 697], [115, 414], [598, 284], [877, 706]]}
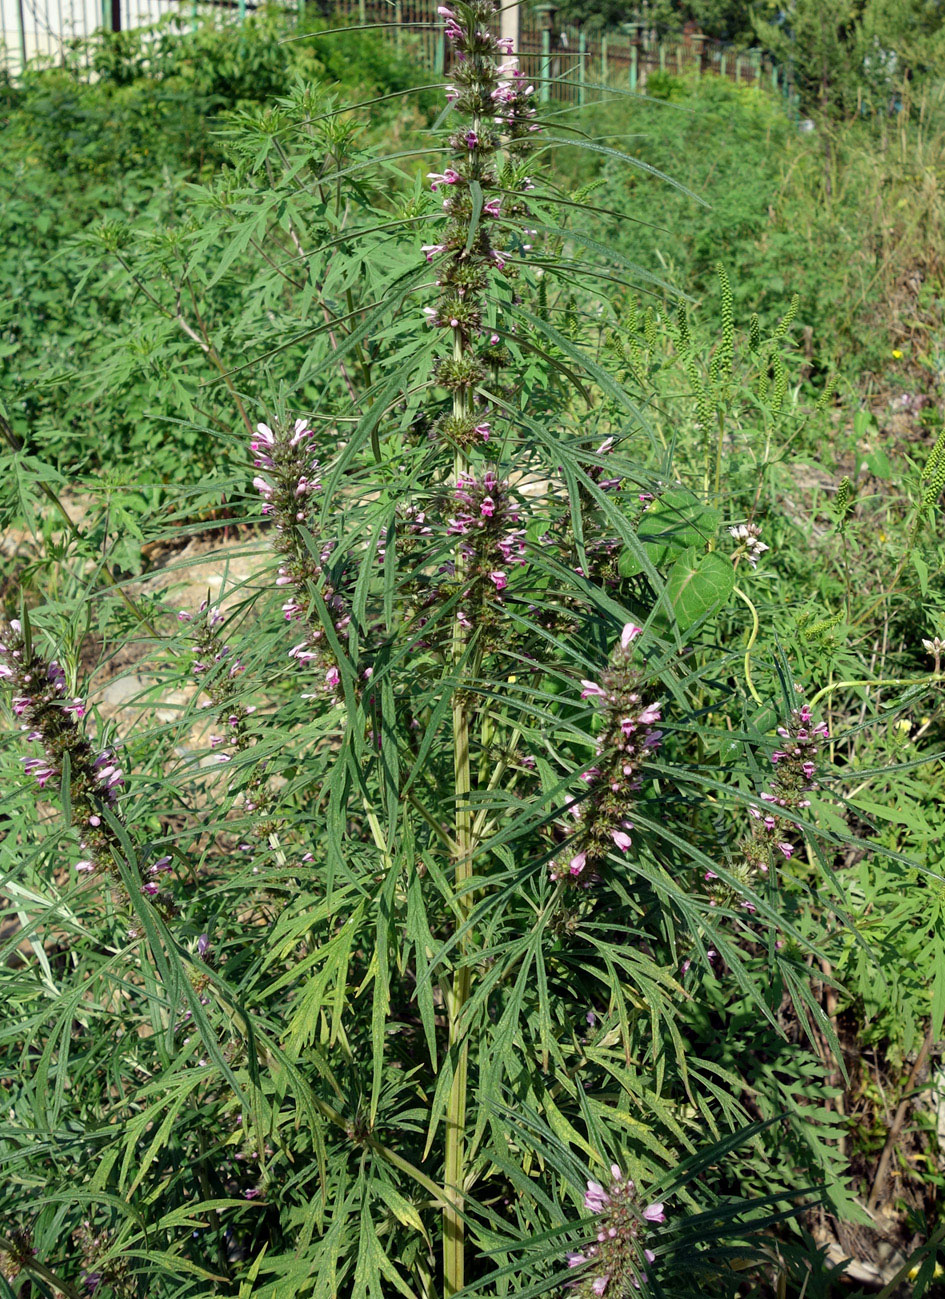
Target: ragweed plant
{"points": [[432, 931]]}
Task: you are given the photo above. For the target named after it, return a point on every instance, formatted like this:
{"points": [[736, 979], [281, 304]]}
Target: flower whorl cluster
{"points": [[795, 765], [293, 477], [627, 737], [497, 103], [100, 1274], [218, 677], [15, 1259], [217, 673], [615, 1260], [51, 719], [490, 544]]}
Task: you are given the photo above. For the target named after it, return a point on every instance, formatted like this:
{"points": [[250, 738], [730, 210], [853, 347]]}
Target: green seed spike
{"points": [[614, 345], [726, 349], [787, 320], [830, 387], [682, 324], [936, 455], [754, 332], [821, 628], [543, 298], [843, 502], [703, 405], [780, 383], [936, 484], [650, 333]]}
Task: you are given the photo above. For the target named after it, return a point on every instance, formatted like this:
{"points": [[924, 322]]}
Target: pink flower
{"points": [[596, 1198], [621, 839], [629, 635], [332, 678], [649, 715], [599, 1284], [654, 1212], [447, 177], [85, 865], [302, 652], [592, 690], [577, 863], [500, 580], [787, 849]]}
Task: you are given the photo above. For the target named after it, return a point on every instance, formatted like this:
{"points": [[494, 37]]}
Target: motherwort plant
{"points": [[469, 768]]}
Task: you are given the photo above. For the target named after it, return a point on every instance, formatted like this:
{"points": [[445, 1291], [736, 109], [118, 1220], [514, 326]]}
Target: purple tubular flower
{"points": [[592, 690], [596, 1198]]}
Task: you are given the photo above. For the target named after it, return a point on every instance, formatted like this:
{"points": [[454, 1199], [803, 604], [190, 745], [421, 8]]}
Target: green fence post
{"points": [[399, 30], [738, 68], [678, 60], [634, 69], [545, 14], [723, 57], [662, 57], [582, 73], [21, 33], [362, 12], [774, 76], [603, 60]]}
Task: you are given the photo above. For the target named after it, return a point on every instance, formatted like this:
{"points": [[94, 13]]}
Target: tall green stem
{"points": [[455, 1155]]}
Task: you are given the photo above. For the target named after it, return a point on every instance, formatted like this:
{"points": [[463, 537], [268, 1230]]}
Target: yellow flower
{"points": [[897, 355], [914, 1271]]}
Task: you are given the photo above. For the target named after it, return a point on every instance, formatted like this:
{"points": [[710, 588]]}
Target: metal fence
{"points": [[567, 63]]}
